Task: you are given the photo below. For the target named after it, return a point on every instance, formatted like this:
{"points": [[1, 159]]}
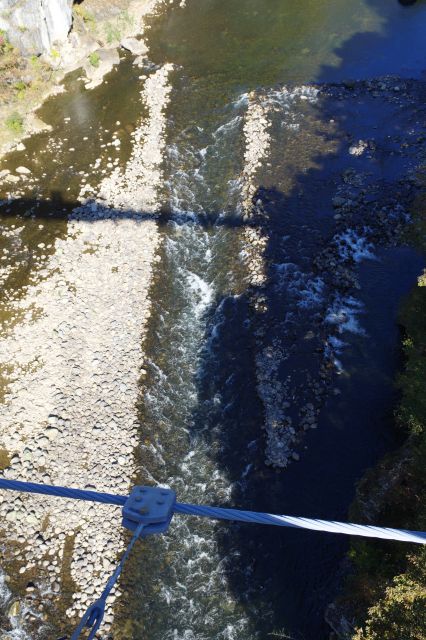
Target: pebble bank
{"points": [[70, 414]]}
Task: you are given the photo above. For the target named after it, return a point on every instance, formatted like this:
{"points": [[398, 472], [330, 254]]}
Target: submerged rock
{"points": [[358, 148]]}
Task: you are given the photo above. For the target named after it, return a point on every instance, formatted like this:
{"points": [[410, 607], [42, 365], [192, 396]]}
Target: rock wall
{"points": [[33, 26]]}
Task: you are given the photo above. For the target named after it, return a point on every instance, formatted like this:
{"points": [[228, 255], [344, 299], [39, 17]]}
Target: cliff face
{"points": [[33, 26]]}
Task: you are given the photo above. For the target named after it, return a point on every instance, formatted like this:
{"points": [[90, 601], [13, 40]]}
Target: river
{"points": [[316, 355]]}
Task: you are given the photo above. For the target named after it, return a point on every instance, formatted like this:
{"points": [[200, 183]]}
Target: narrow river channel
{"points": [[322, 346]]}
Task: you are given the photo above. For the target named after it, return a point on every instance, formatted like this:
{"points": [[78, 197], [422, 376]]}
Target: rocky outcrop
{"points": [[135, 46], [34, 26], [103, 64]]}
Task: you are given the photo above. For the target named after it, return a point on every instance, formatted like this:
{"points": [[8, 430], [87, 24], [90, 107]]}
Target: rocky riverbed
{"points": [[273, 199], [369, 208], [69, 415]]}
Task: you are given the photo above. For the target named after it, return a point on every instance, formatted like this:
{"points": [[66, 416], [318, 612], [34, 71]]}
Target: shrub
{"points": [[127, 19], [401, 613], [5, 46], [20, 87], [87, 17], [15, 123], [112, 32], [94, 59]]}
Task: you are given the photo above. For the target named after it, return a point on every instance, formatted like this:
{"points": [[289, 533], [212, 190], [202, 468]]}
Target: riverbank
{"points": [[384, 595], [73, 383], [99, 32]]}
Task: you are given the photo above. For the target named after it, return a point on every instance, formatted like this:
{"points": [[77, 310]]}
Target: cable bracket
{"points": [[152, 506]]}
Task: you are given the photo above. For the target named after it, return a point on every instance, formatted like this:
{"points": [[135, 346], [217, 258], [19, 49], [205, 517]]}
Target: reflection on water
{"points": [[250, 43]]}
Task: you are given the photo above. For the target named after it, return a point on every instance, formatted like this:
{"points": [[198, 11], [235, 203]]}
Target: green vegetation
{"points": [[35, 62], [5, 46], [401, 612], [3, 40], [87, 17], [15, 123], [112, 32], [20, 88], [23, 82], [126, 19], [387, 592], [94, 59], [115, 30]]}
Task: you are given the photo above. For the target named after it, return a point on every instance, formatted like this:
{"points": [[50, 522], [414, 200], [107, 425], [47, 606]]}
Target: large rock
{"points": [[76, 49], [135, 46], [34, 27], [105, 61]]}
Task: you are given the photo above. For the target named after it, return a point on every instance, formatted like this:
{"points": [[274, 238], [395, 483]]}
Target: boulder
{"points": [[76, 49], [107, 58], [12, 179], [139, 61], [135, 46], [14, 609]]}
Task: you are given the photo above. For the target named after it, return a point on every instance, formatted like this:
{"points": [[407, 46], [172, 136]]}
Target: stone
{"points": [[83, 43], [107, 59], [14, 609], [139, 61], [358, 148], [338, 201], [11, 178], [56, 587], [135, 46], [52, 432], [71, 312], [23, 170]]}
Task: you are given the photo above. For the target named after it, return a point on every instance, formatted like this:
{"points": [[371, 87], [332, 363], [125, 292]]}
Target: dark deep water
{"points": [[201, 415]]}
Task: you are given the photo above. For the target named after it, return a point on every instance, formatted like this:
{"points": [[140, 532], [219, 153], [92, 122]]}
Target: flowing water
{"points": [[201, 412]]}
